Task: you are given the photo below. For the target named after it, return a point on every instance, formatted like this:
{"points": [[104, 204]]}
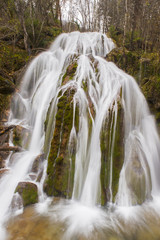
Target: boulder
{"points": [[28, 191]]}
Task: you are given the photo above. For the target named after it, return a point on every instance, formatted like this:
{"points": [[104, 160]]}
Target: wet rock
{"points": [[17, 202], [2, 162], [32, 176], [60, 173], [28, 191], [20, 136], [2, 172], [3, 156], [138, 182], [117, 155], [4, 134], [39, 176], [37, 162]]}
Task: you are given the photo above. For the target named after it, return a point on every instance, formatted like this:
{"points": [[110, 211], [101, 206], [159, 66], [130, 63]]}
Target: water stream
{"points": [[101, 91]]}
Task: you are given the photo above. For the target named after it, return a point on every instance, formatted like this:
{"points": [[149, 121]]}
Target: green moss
{"points": [[84, 85], [28, 192], [4, 105], [118, 152], [59, 164], [105, 160], [70, 72], [29, 196], [77, 119], [17, 141], [117, 157]]}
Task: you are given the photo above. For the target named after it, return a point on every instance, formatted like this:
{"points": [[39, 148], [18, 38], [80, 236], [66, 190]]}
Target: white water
{"points": [[107, 86]]}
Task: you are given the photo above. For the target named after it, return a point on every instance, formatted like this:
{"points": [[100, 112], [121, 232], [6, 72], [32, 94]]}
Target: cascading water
{"points": [[101, 92]]}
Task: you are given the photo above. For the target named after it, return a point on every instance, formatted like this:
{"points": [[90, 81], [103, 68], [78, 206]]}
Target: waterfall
{"points": [[112, 114]]}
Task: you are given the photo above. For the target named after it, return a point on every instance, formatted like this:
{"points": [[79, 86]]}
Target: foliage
{"points": [[140, 61], [26, 28]]}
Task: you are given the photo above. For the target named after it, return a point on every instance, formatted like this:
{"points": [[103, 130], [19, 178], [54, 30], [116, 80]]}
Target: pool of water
{"points": [[68, 220]]}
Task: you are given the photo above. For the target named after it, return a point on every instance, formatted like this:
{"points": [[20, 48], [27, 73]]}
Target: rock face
{"points": [[29, 193], [60, 171], [109, 153], [58, 161]]}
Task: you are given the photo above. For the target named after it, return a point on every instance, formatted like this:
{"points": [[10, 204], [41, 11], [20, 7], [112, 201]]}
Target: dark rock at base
{"points": [[28, 191]]}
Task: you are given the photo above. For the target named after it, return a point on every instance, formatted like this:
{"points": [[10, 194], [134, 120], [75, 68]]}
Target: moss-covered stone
{"points": [[29, 193], [60, 163], [106, 154], [70, 72], [17, 136], [21, 136]]}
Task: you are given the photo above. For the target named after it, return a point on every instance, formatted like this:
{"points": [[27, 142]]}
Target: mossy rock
{"points": [[17, 138], [70, 72], [29, 193], [59, 180], [21, 136], [117, 156]]}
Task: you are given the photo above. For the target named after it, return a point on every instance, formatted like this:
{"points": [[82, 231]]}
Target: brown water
{"points": [[32, 226]]}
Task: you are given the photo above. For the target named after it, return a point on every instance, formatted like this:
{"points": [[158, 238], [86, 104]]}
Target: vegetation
{"points": [[142, 64], [29, 193], [112, 150], [26, 28]]}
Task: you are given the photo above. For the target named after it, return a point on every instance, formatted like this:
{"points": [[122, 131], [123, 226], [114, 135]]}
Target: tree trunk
{"points": [[125, 22]]}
